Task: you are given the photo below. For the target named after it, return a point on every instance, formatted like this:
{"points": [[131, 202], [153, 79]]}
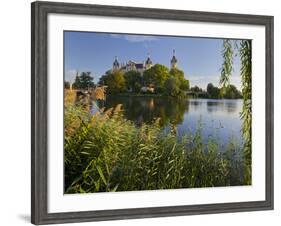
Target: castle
{"points": [[139, 66]]}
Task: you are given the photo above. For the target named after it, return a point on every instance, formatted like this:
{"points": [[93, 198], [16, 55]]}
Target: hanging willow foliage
{"points": [[246, 72], [227, 68], [245, 52]]}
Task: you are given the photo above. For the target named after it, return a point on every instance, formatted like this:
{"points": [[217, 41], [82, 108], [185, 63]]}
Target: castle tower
{"points": [[148, 62], [115, 64], [174, 61]]}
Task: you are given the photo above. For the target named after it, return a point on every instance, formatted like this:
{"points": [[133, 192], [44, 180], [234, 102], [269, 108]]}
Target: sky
{"points": [[199, 58]]}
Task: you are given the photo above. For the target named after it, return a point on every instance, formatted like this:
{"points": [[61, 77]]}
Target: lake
{"points": [[219, 118]]}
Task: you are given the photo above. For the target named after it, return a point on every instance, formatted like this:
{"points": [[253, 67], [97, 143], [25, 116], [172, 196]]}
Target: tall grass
{"points": [[106, 152]]}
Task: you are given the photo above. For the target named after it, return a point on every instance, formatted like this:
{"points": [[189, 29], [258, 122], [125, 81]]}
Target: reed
{"points": [[106, 152]]}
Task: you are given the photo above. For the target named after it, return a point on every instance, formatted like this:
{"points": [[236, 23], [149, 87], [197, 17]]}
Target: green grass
{"points": [[106, 152]]}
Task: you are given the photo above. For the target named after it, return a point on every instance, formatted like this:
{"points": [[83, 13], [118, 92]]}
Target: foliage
{"points": [[245, 53], [103, 78], [213, 92], [69, 97], [196, 89], [156, 76], [230, 92], [133, 81], [83, 81], [115, 81], [179, 75], [98, 93], [227, 92], [246, 115], [227, 68], [105, 152], [171, 87], [66, 85]]}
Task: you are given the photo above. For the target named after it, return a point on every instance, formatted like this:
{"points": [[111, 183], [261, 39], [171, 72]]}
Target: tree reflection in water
{"points": [[184, 114], [146, 109]]}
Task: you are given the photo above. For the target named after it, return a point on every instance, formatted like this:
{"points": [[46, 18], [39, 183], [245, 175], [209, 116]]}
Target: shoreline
{"points": [[161, 95]]}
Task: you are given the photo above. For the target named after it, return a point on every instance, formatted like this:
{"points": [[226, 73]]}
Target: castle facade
{"points": [[139, 66]]}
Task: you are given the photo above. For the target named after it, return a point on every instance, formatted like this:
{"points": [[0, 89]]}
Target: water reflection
{"points": [[219, 117], [229, 106], [146, 109]]}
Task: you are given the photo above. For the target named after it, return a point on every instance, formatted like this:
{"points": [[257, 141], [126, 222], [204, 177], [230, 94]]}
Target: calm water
{"points": [[219, 118]]}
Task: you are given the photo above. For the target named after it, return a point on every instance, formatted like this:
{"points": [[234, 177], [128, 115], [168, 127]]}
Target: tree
{"points": [[171, 87], [230, 92], [103, 78], [76, 84], [179, 75], [133, 81], [213, 92], [115, 81], [156, 76], [226, 68], [244, 48], [184, 85], [84, 81], [196, 89], [66, 85]]}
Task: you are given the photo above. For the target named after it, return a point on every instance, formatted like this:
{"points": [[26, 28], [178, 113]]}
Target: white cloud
{"points": [[135, 38]]}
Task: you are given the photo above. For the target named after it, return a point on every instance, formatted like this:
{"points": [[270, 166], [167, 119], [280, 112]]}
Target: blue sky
{"points": [[199, 58]]}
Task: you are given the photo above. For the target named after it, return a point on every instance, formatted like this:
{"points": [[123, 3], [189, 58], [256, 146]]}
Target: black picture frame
{"points": [[39, 107]]}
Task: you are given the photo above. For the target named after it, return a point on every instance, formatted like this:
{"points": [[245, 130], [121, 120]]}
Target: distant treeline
{"points": [[82, 81], [157, 80], [228, 92]]}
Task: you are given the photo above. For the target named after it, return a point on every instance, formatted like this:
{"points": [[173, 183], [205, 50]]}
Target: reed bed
{"points": [[69, 97], [105, 152]]}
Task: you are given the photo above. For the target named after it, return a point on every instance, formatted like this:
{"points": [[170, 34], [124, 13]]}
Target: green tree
{"points": [[76, 84], [115, 82], [171, 87], [230, 92], [227, 68], [156, 76], [179, 75], [184, 85], [196, 89], [133, 81], [213, 92], [84, 81], [244, 48], [102, 80], [66, 85]]}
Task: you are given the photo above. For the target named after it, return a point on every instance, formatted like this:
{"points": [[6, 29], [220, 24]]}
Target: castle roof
{"points": [[148, 61], [139, 66], [116, 63], [174, 59], [132, 64]]}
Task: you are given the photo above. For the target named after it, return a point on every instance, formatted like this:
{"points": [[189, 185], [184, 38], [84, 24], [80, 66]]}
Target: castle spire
{"points": [[174, 60], [115, 64], [148, 62]]}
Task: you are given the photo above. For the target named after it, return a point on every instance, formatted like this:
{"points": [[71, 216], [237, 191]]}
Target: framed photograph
{"points": [[140, 112]]}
